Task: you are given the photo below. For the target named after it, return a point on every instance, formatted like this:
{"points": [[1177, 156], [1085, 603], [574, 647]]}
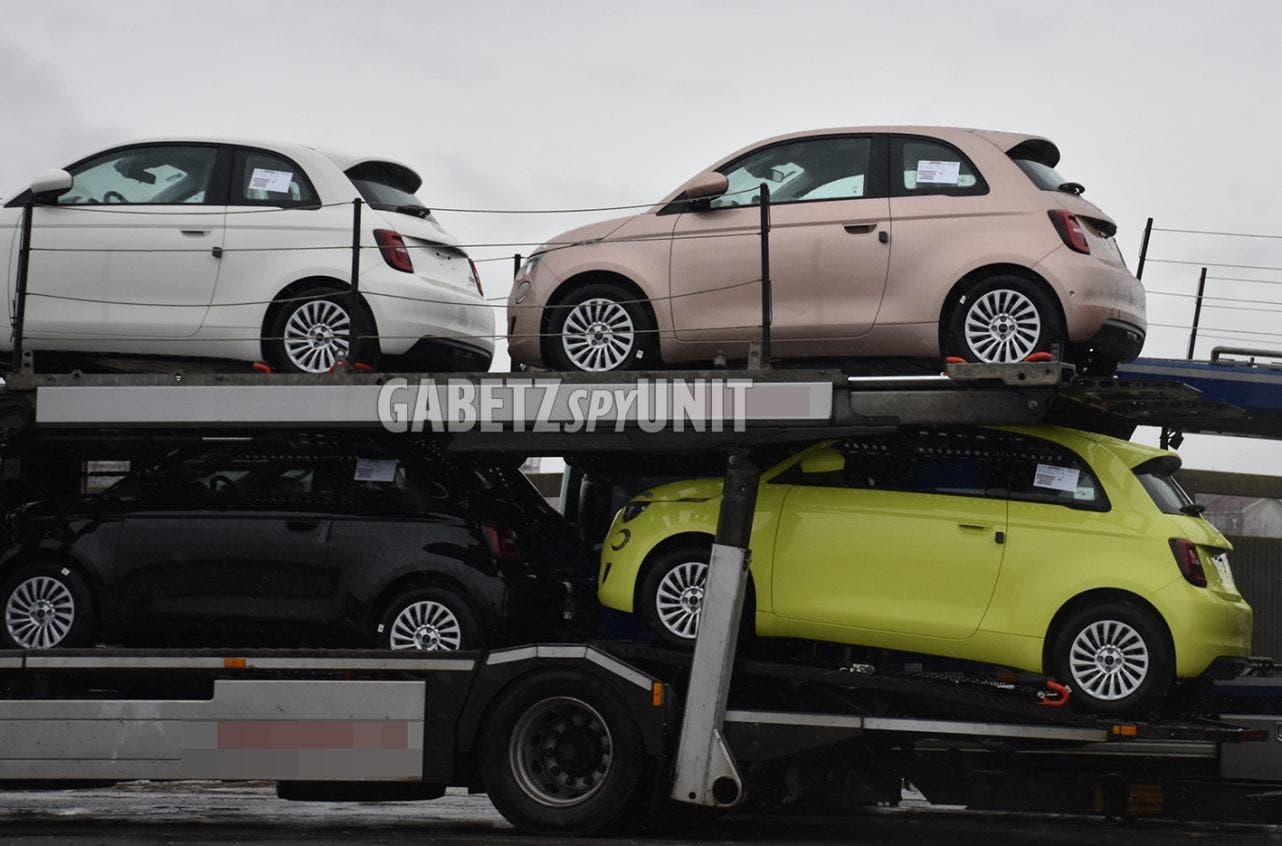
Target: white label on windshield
{"points": [[272, 181], [375, 469], [1056, 478], [938, 173]]}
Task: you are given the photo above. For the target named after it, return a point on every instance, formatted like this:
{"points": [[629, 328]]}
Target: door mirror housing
{"points": [[49, 186], [706, 185], [826, 460]]}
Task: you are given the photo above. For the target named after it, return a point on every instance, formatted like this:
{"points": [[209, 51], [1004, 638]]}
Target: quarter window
{"points": [[152, 175], [263, 178], [831, 168], [925, 166]]}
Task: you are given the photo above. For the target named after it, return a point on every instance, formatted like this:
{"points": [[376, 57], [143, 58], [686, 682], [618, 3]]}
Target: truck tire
{"points": [[560, 754]]}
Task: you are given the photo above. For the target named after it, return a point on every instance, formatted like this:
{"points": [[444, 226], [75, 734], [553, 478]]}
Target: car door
{"points": [[225, 542], [829, 247], [906, 539], [128, 255]]}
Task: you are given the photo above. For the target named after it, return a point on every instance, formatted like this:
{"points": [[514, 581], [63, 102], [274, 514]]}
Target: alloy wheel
{"points": [[679, 598], [1109, 660], [428, 626], [561, 751], [316, 335], [40, 613], [1002, 325], [598, 335]]}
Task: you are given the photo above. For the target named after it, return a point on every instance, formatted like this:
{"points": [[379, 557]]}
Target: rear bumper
{"points": [[1210, 631], [408, 310], [441, 355], [1118, 340], [1103, 303]]}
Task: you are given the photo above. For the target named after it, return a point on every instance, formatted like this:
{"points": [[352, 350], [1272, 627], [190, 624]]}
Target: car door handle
{"points": [[302, 525], [195, 233], [973, 527], [860, 228]]}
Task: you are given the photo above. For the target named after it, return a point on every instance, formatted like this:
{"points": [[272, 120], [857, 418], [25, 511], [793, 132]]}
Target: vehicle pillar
{"points": [[705, 772]]}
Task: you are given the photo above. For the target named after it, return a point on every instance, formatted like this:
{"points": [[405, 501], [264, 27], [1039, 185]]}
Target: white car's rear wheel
{"points": [[314, 328]]}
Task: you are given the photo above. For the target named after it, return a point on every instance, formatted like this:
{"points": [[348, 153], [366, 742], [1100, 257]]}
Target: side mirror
{"points": [[706, 185], [49, 186], [826, 460]]}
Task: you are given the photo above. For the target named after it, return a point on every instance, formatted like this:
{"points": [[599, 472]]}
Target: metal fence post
{"points": [[767, 306], [1197, 312], [20, 285], [1148, 230], [355, 304]]}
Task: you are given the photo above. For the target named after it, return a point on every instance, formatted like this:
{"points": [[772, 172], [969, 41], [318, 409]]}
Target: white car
{"points": [[241, 250]]}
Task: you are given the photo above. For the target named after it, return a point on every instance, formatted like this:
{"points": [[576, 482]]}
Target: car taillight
{"points": [[476, 277], [501, 542], [1070, 230], [392, 246], [1189, 562]]}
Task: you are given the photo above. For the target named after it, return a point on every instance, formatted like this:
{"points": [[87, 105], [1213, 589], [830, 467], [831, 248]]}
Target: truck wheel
{"points": [[560, 754], [431, 619], [1116, 659], [46, 605]]}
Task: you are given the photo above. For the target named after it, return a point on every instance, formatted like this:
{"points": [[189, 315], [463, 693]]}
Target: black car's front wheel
{"points": [[430, 619], [46, 605]]}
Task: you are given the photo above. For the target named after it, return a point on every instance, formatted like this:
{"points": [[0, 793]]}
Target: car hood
{"points": [[689, 490], [586, 234]]}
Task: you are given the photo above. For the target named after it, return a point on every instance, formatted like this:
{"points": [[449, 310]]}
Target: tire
{"points": [[313, 326], [46, 605], [1003, 319], [601, 328], [1124, 637], [560, 754], [431, 619], [671, 597]]}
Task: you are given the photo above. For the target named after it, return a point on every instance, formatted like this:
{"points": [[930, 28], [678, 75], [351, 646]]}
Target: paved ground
{"points": [[201, 813]]}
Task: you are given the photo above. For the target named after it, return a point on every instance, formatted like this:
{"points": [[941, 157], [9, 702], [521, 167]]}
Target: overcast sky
{"points": [[1156, 107]]}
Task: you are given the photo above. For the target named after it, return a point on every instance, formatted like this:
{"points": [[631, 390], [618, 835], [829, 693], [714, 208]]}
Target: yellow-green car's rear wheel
{"points": [[1115, 657]]}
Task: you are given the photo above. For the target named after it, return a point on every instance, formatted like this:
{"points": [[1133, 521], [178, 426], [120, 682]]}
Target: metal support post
{"points": [[516, 265], [1148, 230], [1197, 312], [354, 306], [767, 305], [706, 773], [20, 286]]}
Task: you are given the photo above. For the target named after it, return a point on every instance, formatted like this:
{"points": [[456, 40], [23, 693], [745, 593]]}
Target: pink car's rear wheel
{"points": [[1003, 319]]}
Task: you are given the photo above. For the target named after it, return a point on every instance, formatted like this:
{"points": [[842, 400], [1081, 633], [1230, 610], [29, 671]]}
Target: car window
{"points": [[153, 175], [949, 462], [926, 166], [827, 168], [386, 186], [255, 479], [269, 179], [1041, 471]]}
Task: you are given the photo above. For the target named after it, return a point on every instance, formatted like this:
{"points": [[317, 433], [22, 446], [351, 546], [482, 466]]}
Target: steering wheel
{"points": [[113, 197], [221, 483]]}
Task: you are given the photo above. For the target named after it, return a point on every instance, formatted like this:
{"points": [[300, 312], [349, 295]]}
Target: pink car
{"points": [[885, 241]]}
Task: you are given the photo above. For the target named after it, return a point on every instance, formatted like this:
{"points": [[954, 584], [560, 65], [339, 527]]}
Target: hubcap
{"points": [[40, 613], [1109, 660], [598, 335], [1002, 326], [679, 599], [316, 334], [561, 751], [428, 626]]}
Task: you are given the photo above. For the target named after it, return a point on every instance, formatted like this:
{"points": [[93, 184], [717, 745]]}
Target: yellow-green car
{"points": [[1041, 548]]}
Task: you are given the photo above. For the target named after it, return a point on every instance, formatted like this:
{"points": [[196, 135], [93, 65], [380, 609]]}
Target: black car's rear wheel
{"points": [[46, 605], [430, 619]]}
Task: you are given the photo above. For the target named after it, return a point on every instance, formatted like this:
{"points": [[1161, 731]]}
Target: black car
{"points": [[328, 541]]}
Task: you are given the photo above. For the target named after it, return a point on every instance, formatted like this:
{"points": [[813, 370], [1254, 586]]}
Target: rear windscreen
{"points": [[1043, 176], [1157, 478]]}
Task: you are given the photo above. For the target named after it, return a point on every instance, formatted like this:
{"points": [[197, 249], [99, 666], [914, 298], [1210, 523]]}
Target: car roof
{"points": [[342, 159]]}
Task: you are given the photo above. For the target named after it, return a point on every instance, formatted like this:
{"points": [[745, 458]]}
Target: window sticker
{"points": [[938, 173], [1056, 478], [375, 470], [271, 181]]}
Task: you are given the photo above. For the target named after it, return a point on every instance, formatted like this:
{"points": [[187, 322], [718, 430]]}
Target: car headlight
{"points": [[522, 291], [633, 509], [529, 265]]}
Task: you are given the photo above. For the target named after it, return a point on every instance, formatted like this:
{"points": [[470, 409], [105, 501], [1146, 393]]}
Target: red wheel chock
{"points": [[261, 367], [1055, 696], [1039, 357]]}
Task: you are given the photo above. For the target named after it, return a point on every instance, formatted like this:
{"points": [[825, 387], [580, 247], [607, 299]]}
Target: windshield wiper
{"points": [[417, 211], [1075, 188], [1193, 509]]}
